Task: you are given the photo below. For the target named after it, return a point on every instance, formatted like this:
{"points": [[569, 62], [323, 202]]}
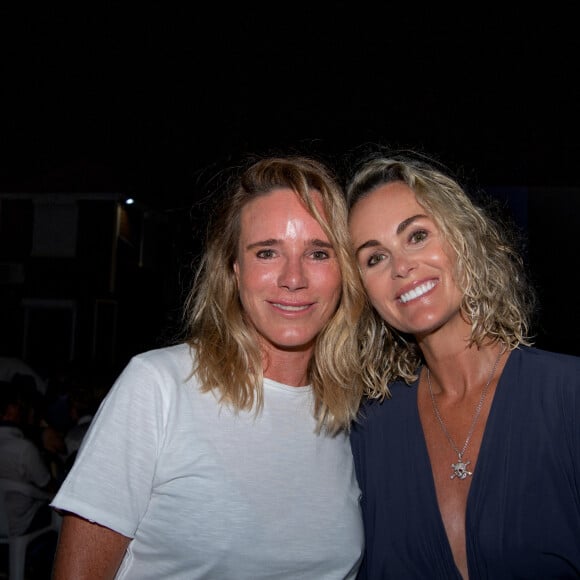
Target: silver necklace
{"points": [[460, 470]]}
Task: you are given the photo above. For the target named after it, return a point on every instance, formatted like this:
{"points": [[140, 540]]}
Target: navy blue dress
{"points": [[523, 509]]}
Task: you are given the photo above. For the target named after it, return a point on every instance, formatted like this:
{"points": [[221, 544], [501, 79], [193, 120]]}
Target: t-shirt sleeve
{"points": [[111, 480]]}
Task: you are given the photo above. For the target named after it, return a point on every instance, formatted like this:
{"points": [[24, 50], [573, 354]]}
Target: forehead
{"points": [[276, 209], [390, 200]]}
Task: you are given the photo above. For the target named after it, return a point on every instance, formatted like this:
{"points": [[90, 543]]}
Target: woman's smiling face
{"points": [[405, 263], [287, 270]]}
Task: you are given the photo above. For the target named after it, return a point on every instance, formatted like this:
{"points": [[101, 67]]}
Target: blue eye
{"points": [[265, 254]]}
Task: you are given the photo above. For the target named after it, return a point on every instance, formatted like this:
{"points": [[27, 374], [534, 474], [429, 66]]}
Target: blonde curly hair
{"points": [[497, 299]]}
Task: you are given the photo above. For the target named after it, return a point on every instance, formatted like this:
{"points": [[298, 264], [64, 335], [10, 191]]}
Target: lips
{"points": [[291, 307], [417, 292]]}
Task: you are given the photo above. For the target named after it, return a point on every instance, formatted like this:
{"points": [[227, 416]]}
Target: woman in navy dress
{"points": [[467, 447]]}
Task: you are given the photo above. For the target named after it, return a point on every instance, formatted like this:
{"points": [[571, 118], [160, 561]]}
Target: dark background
{"points": [[153, 100], [144, 98]]}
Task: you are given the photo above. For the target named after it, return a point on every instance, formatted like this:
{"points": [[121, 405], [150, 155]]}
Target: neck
{"points": [[456, 370], [288, 367]]}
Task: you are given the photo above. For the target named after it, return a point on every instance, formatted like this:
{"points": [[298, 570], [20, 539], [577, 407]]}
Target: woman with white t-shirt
{"points": [[226, 456]]}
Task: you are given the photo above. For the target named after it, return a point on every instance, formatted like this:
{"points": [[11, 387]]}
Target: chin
{"points": [[294, 345]]}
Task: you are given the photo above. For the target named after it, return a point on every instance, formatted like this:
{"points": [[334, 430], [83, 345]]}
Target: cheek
{"points": [[329, 282], [375, 288], [254, 278]]}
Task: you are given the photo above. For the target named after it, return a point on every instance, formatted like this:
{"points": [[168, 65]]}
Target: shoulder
{"points": [[155, 373], [175, 360], [16, 437], [401, 393], [175, 354], [153, 384], [389, 411], [538, 362], [547, 379]]}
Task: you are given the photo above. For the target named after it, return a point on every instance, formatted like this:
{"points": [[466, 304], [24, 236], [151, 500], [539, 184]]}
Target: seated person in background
{"points": [[81, 411], [21, 460], [83, 405], [53, 449], [40, 426], [11, 367]]}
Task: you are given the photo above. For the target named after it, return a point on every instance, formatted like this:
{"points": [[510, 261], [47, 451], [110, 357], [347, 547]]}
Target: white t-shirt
{"points": [[208, 493]]}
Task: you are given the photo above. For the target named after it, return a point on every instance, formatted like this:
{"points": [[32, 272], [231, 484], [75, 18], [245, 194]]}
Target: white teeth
{"points": [[290, 308], [416, 292]]}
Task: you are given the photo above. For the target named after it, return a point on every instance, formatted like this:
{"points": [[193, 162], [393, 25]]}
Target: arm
{"points": [[87, 551]]}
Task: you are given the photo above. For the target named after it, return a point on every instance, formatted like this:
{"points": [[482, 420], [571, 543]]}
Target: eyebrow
{"points": [[400, 229], [273, 242], [367, 244], [406, 223]]}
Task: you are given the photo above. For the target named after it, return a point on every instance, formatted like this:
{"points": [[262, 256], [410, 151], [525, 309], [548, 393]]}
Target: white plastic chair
{"points": [[17, 545]]}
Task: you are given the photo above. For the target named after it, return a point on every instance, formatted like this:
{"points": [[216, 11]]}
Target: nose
{"points": [[292, 275], [401, 266]]}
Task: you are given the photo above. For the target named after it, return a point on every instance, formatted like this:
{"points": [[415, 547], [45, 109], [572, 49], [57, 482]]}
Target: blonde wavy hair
{"points": [[229, 358], [497, 300]]}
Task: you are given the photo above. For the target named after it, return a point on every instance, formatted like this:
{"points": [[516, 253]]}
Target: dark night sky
{"points": [[153, 99]]}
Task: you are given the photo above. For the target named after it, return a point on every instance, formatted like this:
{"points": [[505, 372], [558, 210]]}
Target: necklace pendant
{"points": [[460, 470]]}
